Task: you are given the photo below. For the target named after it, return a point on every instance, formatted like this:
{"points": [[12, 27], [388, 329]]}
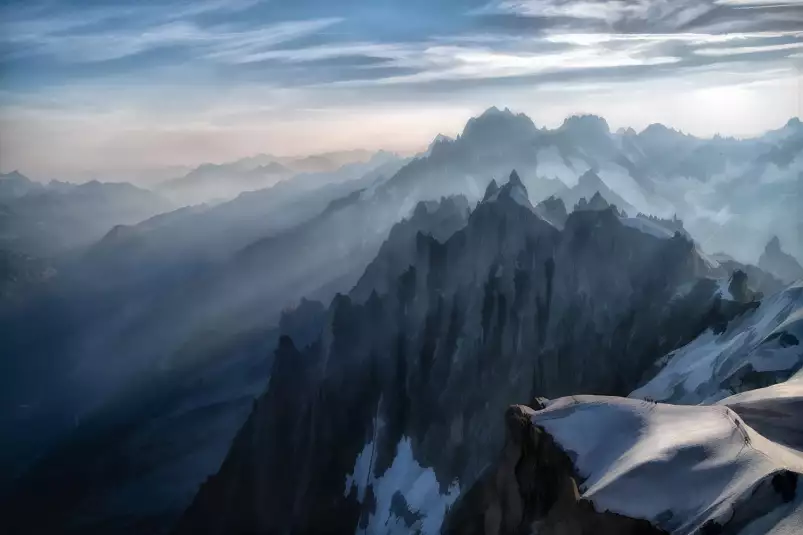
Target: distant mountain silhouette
{"points": [[784, 266]]}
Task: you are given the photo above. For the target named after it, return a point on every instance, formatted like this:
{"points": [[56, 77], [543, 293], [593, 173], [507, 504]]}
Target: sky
{"points": [[98, 89]]}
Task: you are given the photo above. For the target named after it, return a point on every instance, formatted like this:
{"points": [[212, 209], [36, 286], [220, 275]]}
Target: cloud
{"points": [[61, 39], [316, 53], [624, 15], [195, 61], [760, 3], [747, 49], [32, 20], [501, 38]]}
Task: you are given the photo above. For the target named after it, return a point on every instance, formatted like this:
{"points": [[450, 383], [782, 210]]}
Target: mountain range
{"points": [[508, 307], [46, 220], [215, 182], [340, 349]]}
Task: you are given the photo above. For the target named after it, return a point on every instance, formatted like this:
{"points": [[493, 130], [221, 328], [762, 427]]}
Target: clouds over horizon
{"points": [[202, 65]]}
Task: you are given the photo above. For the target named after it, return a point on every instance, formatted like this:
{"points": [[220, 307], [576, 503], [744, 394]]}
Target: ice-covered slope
{"points": [[762, 347], [683, 468], [730, 466], [775, 411]]}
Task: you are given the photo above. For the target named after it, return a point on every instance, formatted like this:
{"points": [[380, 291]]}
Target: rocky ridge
{"points": [[417, 374]]}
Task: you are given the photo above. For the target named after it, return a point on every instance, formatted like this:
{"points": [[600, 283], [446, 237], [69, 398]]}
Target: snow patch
{"points": [[640, 458], [723, 289], [647, 227], [418, 486], [769, 339], [359, 477]]}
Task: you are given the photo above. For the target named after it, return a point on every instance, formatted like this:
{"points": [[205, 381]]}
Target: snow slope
{"points": [[646, 226], [677, 466], [759, 348], [406, 478], [775, 411]]}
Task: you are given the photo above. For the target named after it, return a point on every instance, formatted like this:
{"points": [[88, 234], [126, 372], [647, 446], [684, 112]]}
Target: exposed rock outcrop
{"points": [[532, 488], [594, 465], [506, 308]]}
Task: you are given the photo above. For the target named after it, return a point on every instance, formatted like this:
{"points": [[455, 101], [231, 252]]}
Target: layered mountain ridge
{"points": [[729, 460], [411, 383], [573, 276]]}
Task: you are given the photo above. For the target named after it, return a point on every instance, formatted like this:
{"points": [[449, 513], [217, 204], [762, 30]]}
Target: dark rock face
{"points": [[507, 308], [774, 260], [438, 219], [759, 280], [273, 496], [532, 488], [552, 210]]}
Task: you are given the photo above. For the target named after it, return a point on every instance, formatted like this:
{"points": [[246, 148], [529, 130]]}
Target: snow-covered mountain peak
{"points": [[514, 190], [759, 347], [642, 460]]}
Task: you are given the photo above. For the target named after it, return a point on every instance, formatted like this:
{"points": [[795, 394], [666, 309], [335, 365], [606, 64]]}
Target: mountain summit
{"points": [[498, 126], [514, 190], [781, 264]]}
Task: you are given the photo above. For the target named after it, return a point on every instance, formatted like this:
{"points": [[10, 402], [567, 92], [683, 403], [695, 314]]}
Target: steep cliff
{"points": [[395, 409], [604, 465]]}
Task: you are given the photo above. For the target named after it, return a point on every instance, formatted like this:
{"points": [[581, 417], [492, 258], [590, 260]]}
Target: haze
{"points": [[134, 90]]}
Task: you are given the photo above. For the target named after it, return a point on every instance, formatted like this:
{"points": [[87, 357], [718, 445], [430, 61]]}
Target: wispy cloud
{"points": [[572, 35], [37, 20], [760, 3], [747, 49], [613, 13], [253, 45], [196, 58], [438, 63], [105, 34]]}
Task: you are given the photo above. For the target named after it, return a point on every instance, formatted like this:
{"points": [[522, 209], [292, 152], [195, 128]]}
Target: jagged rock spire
{"points": [[515, 190], [598, 202]]}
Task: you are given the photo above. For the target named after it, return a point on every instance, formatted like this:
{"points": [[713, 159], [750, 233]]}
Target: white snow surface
{"points": [[417, 484], [676, 466], [723, 289], [775, 411], [767, 339], [647, 227]]}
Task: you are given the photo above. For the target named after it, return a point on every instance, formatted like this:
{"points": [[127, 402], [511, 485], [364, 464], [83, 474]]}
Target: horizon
{"points": [[123, 86], [167, 172]]}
